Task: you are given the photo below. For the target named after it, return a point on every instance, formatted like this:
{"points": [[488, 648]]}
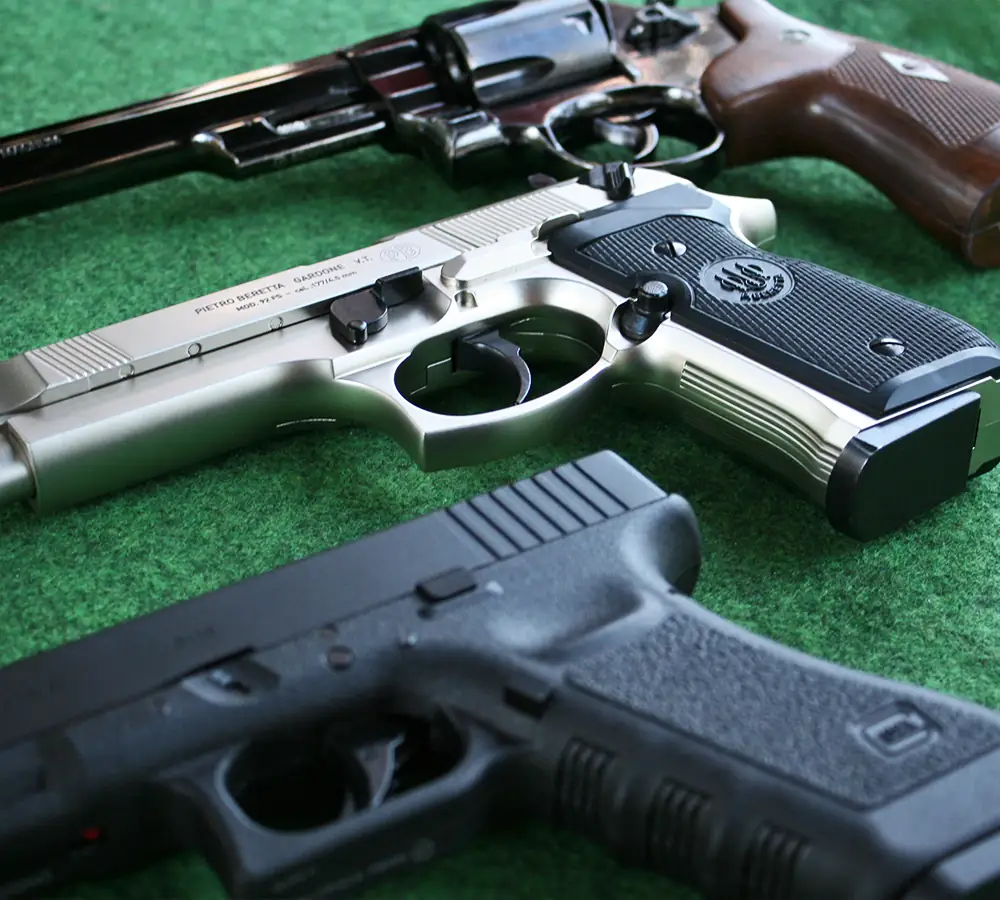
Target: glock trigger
{"points": [[489, 353]]}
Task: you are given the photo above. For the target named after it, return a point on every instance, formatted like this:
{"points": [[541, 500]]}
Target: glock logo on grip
{"points": [[897, 729], [745, 280]]}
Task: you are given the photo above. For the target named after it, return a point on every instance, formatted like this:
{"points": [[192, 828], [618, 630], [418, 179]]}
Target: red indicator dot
{"points": [[91, 834]]}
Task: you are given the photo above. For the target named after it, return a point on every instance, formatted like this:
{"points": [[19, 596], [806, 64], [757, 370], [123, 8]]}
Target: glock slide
{"points": [[527, 655], [540, 85], [637, 285]]}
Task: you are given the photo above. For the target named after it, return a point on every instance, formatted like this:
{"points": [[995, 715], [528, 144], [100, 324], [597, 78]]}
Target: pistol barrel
{"points": [[15, 477]]}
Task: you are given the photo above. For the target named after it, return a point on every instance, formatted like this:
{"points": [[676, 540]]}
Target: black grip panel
{"points": [[854, 737], [826, 330]]}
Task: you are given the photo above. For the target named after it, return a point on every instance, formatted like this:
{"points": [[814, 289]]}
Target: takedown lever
{"points": [[354, 317]]}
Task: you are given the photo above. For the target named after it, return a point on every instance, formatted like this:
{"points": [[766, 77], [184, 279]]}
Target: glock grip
{"points": [[744, 769]]}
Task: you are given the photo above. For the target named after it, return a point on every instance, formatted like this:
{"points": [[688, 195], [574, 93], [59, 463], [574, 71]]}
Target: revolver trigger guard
{"points": [[489, 353], [635, 117]]}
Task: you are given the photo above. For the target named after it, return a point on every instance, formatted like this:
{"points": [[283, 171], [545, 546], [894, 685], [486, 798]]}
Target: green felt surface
{"points": [[921, 605]]}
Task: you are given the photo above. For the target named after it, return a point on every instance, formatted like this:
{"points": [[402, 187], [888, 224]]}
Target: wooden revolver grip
{"points": [[925, 134]]}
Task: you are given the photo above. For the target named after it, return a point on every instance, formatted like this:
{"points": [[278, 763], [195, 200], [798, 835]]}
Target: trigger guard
{"points": [[670, 110]]}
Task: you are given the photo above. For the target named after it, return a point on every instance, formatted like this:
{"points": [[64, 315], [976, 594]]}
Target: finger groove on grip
{"points": [[770, 864], [810, 323], [955, 113], [579, 785], [851, 736], [677, 830]]}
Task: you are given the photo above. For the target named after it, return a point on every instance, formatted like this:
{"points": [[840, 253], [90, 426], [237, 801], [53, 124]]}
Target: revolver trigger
{"points": [[634, 135], [488, 352]]}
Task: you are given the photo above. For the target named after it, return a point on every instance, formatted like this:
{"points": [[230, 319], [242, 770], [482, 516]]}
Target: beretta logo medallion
{"points": [[747, 280]]}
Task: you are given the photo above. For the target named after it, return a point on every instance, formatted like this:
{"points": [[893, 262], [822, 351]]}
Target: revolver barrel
{"points": [[469, 84], [233, 127]]}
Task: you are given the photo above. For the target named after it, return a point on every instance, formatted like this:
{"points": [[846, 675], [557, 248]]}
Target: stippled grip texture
{"points": [[823, 328], [853, 737]]}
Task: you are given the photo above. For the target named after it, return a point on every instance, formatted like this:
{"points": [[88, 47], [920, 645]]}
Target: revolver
{"points": [[526, 655], [631, 285], [550, 85]]}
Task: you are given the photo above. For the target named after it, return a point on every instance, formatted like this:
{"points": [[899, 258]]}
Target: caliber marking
{"points": [[20, 148], [327, 272], [322, 281]]}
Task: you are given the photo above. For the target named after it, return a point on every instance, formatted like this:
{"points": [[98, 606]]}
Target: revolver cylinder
{"points": [[505, 54]]}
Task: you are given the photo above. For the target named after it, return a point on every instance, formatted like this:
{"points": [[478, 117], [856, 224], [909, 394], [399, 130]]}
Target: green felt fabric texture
{"points": [[920, 605]]}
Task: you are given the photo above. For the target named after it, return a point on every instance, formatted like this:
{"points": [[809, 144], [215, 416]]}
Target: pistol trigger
{"points": [[488, 352], [379, 761]]}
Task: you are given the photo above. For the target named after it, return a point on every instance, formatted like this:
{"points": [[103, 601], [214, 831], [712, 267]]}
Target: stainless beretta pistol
{"points": [[633, 280]]}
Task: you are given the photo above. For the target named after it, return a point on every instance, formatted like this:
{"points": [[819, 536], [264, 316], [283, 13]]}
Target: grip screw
{"points": [[670, 249], [887, 346]]}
